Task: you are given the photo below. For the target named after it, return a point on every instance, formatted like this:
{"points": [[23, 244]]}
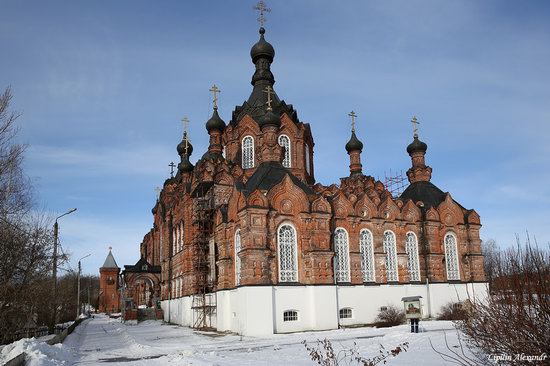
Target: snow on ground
{"points": [[103, 340]]}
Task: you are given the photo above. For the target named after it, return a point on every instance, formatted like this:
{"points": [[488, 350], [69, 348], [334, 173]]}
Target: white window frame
{"points": [[290, 316], [247, 151], [366, 246], [289, 250], [451, 257], [341, 250], [345, 313], [390, 248], [237, 258], [287, 161], [411, 247]]}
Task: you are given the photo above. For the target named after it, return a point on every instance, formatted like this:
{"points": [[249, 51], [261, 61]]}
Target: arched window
{"points": [[367, 255], [284, 141], [290, 316], [174, 240], [346, 313], [237, 258], [341, 247], [411, 247], [391, 256], [248, 152], [181, 235], [308, 160], [451, 257], [288, 256]]}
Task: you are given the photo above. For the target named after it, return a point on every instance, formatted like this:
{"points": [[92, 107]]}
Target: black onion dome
{"points": [[262, 48], [215, 122], [181, 146], [269, 119], [354, 144], [417, 146], [185, 165]]}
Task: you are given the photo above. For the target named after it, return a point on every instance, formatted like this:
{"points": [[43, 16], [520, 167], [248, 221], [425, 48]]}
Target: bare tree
{"points": [[514, 321], [491, 255], [15, 190], [25, 237]]}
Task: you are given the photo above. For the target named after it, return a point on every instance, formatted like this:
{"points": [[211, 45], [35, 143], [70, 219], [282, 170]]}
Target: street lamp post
{"points": [[54, 269], [78, 286]]}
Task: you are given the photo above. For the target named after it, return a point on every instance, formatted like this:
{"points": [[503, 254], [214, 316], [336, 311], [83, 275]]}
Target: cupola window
{"points": [[248, 152], [284, 141]]}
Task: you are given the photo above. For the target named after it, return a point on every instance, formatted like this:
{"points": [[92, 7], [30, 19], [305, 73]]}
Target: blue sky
{"points": [[102, 86]]}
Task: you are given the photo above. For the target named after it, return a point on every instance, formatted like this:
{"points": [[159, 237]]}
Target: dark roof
{"points": [[426, 192], [262, 49], [139, 267], [181, 146], [269, 119], [255, 106], [417, 145], [215, 122], [354, 144], [109, 261], [268, 175]]}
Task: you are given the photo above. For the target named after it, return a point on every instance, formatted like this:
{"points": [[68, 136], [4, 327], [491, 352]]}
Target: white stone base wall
{"points": [[258, 310]]}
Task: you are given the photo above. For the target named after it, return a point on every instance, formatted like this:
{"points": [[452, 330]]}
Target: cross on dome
{"points": [[415, 124], [269, 91], [215, 90], [262, 9], [353, 116]]}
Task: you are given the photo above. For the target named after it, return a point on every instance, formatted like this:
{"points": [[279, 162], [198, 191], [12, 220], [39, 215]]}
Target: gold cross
{"points": [[185, 121], [415, 124], [352, 115], [215, 90], [269, 91], [262, 8]]}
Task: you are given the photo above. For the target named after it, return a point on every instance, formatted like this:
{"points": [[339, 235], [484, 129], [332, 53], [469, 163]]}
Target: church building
{"points": [[247, 241]]}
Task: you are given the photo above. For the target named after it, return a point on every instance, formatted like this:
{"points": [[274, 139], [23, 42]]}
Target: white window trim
{"points": [[414, 273], [345, 309], [369, 256], [295, 244], [456, 275], [245, 166], [395, 259], [237, 258], [288, 155], [291, 311], [342, 275]]}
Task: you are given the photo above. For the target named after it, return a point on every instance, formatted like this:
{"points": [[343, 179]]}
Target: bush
{"points": [[390, 316], [453, 311]]}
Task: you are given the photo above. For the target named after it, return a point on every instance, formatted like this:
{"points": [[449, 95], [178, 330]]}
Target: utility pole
{"points": [[78, 291], [54, 270], [78, 286], [89, 282], [54, 278]]}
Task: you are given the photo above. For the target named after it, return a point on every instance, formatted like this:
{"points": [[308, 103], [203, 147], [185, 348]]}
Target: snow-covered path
{"points": [[102, 340]]}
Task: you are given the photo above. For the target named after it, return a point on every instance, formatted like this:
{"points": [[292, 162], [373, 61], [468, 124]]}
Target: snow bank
{"points": [[38, 353]]}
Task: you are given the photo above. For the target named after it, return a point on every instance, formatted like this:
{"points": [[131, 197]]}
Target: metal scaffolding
{"points": [[204, 300]]}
